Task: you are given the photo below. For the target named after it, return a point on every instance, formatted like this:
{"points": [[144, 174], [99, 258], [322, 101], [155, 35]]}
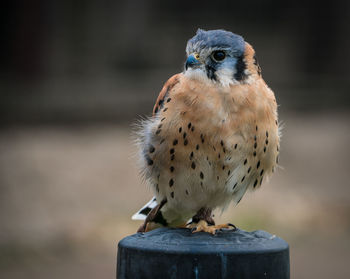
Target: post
{"points": [[177, 253]]}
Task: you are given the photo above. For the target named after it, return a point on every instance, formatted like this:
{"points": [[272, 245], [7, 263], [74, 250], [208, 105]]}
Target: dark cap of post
{"points": [[177, 253]]}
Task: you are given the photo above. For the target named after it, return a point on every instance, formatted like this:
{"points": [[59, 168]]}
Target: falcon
{"points": [[213, 135]]}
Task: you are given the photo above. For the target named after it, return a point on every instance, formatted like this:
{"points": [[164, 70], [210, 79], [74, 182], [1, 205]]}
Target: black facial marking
{"points": [[255, 183], [172, 150], [158, 131], [184, 135], [193, 165], [149, 160], [171, 182], [189, 125], [210, 71], [236, 146], [151, 149], [256, 128], [201, 175], [240, 67], [258, 165], [242, 178], [264, 149], [172, 169], [186, 192], [234, 186], [202, 138], [185, 142], [162, 119], [172, 194], [267, 141], [223, 167], [175, 142], [169, 99], [267, 134], [160, 126], [192, 129], [254, 153], [161, 141], [262, 172], [229, 172], [180, 129], [255, 145], [245, 161], [191, 155], [222, 143], [172, 157], [258, 69], [197, 146]]}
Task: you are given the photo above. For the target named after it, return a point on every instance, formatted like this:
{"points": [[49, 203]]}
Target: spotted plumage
{"points": [[213, 133]]}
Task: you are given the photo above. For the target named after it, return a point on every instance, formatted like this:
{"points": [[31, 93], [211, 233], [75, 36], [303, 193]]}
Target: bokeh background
{"points": [[74, 75]]}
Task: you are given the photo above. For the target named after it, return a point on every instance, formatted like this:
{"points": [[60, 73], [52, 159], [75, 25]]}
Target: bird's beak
{"points": [[191, 62]]}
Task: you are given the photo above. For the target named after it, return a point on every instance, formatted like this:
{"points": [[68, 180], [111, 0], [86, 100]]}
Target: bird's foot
{"points": [[148, 226], [203, 226]]}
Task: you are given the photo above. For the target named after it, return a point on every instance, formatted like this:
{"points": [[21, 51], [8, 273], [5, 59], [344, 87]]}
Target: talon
{"points": [[233, 226], [193, 229]]}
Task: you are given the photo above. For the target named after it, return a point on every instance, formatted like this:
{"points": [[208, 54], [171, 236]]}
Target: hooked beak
{"points": [[191, 62]]}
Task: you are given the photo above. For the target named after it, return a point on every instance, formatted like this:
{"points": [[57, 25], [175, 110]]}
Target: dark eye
{"points": [[219, 55]]}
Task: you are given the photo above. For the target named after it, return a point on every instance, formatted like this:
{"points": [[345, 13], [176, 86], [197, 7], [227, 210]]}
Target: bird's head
{"points": [[220, 56]]}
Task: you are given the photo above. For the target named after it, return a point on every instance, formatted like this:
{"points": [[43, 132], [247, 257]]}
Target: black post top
{"points": [[177, 253]]}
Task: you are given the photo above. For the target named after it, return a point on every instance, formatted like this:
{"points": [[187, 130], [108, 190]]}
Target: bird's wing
{"points": [[164, 92]]}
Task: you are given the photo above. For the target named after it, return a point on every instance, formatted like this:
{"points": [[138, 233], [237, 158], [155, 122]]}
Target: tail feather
{"points": [[143, 212]]}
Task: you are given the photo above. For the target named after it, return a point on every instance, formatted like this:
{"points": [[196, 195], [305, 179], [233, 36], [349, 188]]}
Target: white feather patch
{"points": [[141, 216]]}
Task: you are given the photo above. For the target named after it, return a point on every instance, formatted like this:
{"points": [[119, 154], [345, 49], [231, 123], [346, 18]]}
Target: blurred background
{"points": [[74, 75]]}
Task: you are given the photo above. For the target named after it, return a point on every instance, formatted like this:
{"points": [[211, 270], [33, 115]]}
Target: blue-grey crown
{"points": [[215, 39]]}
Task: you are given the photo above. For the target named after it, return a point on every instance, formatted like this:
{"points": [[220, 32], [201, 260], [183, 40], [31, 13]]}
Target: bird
{"points": [[213, 135]]}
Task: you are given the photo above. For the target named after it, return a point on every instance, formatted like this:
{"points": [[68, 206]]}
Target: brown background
{"points": [[75, 74]]}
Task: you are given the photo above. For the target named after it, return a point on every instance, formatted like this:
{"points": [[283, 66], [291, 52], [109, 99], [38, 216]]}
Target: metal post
{"points": [[177, 253]]}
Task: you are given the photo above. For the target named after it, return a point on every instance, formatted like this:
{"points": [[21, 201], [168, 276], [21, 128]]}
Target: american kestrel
{"points": [[213, 134]]}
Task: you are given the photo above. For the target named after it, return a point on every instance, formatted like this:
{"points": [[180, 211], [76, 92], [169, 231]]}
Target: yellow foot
{"points": [[202, 226]]}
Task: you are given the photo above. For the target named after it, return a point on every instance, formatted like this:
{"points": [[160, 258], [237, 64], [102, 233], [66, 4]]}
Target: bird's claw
{"points": [[203, 226], [234, 228]]}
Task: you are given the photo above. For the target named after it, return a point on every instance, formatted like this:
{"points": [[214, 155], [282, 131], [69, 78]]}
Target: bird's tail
{"points": [[152, 216], [143, 212]]}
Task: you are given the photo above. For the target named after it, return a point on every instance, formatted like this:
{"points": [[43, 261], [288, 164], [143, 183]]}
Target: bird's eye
{"points": [[219, 55], [196, 55]]}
